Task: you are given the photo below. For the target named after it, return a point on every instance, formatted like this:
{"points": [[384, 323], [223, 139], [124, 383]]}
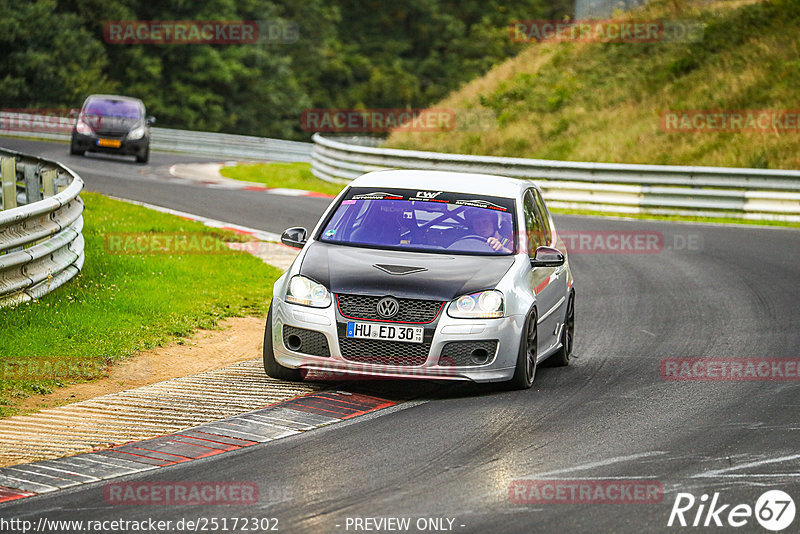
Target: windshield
{"points": [[102, 107], [430, 221]]}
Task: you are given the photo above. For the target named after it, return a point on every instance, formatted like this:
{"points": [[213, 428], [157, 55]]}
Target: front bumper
{"points": [[506, 331], [127, 147]]}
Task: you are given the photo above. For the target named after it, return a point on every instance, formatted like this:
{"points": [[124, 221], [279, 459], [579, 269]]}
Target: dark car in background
{"points": [[112, 124]]}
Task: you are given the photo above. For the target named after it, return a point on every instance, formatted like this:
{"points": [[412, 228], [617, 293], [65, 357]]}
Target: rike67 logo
{"points": [[774, 510]]}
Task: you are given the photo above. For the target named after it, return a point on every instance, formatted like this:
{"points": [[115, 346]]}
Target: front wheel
{"points": [[526, 359], [144, 156], [272, 367], [74, 151]]}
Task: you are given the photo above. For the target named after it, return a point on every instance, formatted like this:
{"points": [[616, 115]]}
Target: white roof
{"points": [[460, 182]]}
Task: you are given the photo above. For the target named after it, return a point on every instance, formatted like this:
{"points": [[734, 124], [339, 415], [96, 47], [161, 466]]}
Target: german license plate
{"points": [[385, 332], [110, 143]]}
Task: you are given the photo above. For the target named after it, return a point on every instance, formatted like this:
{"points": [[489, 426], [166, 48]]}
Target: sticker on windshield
{"points": [[377, 195], [479, 204]]}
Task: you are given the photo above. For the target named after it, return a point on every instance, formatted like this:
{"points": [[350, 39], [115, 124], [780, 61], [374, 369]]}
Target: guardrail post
{"points": [[48, 182], [33, 183], [8, 178]]}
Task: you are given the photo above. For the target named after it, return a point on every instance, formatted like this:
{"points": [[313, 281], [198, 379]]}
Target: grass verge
{"points": [[288, 175], [123, 303]]}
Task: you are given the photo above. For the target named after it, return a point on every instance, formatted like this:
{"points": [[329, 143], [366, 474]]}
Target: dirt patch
{"points": [[240, 339]]}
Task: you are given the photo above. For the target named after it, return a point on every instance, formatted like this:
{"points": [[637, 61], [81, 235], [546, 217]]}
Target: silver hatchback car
{"points": [[425, 274]]}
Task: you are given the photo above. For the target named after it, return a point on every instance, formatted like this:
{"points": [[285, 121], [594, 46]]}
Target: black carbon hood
{"points": [[442, 277]]}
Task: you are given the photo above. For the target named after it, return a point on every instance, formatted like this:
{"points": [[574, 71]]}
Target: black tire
{"points": [[144, 157], [74, 151], [525, 371], [271, 367], [561, 357]]}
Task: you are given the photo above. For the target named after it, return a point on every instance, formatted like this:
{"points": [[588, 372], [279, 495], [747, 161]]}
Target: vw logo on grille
{"points": [[388, 307]]}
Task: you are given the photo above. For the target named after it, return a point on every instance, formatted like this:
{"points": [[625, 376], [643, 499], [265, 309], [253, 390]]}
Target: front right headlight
{"points": [[136, 133], [481, 305], [307, 292]]}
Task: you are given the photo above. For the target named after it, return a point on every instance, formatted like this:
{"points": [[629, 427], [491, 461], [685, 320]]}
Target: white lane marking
{"points": [[213, 223], [49, 468], [600, 463], [748, 476], [721, 472], [14, 485]]}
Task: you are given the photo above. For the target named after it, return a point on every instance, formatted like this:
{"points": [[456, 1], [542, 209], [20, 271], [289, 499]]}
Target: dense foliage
{"points": [[348, 53]]}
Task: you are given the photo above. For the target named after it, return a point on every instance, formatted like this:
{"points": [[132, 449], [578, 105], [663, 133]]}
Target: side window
{"points": [[543, 215], [533, 225]]}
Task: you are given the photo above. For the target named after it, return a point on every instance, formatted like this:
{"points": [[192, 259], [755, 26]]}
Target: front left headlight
{"points": [[307, 292], [481, 305], [136, 133], [82, 128]]}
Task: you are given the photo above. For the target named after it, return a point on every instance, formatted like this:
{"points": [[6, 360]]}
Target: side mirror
{"points": [[547, 257], [150, 120], [73, 113], [294, 237]]}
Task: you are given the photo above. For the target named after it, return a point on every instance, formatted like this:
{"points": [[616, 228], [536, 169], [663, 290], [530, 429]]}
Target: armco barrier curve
{"points": [[41, 245], [756, 194], [218, 145]]}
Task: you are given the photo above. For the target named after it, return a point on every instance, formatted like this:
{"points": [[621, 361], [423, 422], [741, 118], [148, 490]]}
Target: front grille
{"points": [[411, 310], [310, 341], [459, 353], [383, 352]]}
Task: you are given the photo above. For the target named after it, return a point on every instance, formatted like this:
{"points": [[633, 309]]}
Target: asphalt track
{"points": [[455, 449]]}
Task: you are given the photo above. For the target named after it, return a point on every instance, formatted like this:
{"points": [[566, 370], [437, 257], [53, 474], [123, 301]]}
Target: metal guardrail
{"points": [[186, 141], [758, 194], [229, 145], [41, 245]]}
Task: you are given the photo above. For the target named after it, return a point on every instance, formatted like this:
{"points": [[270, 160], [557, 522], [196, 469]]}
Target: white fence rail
{"points": [[41, 245], [758, 194], [199, 143]]}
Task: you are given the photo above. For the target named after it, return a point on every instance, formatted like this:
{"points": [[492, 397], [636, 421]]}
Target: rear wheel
{"points": [[526, 359], [561, 357], [272, 367], [74, 151]]}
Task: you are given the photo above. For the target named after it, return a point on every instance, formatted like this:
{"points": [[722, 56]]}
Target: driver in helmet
{"points": [[484, 223]]}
